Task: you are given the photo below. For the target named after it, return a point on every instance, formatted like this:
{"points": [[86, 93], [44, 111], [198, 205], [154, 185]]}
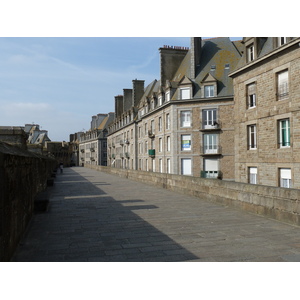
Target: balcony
{"points": [[121, 142], [92, 149], [127, 154], [151, 153], [216, 125], [113, 156], [82, 150], [211, 150], [211, 174], [127, 142]]}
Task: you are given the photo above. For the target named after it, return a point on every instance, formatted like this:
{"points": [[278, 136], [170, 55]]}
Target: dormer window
{"points": [[281, 41], [209, 91], [160, 100], [185, 93], [250, 53], [209, 86], [167, 95]]}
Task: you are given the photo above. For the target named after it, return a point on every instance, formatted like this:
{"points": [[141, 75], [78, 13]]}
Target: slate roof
{"points": [[216, 52]]}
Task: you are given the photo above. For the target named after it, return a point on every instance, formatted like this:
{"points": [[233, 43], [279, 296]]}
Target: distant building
{"points": [[93, 143], [74, 142], [183, 122]]}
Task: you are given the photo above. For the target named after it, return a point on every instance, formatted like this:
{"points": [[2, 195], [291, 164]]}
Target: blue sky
{"points": [[59, 83]]}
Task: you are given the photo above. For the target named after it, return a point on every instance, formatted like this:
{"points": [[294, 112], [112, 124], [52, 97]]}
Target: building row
{"points": [[221, 109]]}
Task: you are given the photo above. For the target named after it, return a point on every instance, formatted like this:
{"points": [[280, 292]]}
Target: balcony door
{"points": [[210, 142]]}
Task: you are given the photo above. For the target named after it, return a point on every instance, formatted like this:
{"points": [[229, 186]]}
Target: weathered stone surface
{"points": [[22, 176]]}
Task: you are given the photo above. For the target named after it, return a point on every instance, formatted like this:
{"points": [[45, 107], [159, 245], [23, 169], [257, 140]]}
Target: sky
{"points": [[60, 82]]}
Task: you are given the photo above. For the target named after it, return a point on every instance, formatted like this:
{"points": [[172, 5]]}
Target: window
{"points": [[251, 95], [250, 53], [153, 165], [168, 165], [281, 41], [253, 175], [168, 143], [252, 137], [159, 100], [146, 128], [160, 165], [160, 145], [211, 167], [167, 96], [209, 91], [186, 166], [159, 124], [285, 178], [284, 133], [146, 146], [186, 142], [210, 142], [282, 85], [167, 121], [209, 118], [185, 118], [152, 126], [185, 93]]}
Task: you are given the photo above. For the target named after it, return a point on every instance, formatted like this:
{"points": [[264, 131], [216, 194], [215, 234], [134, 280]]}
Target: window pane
{"points": [[208, 91]]}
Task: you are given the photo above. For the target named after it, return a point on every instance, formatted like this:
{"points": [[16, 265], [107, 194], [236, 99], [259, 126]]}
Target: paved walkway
{"points": [[95, 216]]}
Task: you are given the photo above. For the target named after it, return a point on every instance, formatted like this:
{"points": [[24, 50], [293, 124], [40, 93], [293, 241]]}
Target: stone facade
{"points": [[93, 143], [267, 113]]}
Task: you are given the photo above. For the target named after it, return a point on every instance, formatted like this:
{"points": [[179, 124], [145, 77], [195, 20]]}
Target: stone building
{"points": [[93, 143], [183, 122], [267, 112]]}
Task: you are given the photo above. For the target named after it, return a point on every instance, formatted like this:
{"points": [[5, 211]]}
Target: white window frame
{"points": [[186, 142], [185, 93], [186, 166], [185, 118], [252, 175], [283, 85], [167, 96], [285, 176], [160, 144], [251, 95], [168, 143], [252, 137], [168, 165], [209, 91], [160, 164], [210, 143], [209, 118], [284, 132], [250, 53], [168, 121]]}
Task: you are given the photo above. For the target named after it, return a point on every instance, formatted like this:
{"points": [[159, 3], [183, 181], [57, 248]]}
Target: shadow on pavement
{"points": [[84, 223]]}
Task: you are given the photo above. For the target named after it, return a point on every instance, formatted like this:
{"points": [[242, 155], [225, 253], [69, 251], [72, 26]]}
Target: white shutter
{"points": [[211, 164], [285, 173], [186, 166]]}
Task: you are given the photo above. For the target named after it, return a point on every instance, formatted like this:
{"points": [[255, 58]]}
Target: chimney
{"points": [[118, 105], [138, 91], [127, 103], [170, 60], [195, 55], [93, 123]]}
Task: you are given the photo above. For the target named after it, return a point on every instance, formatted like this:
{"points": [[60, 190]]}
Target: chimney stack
{"points": [[195, 55]]}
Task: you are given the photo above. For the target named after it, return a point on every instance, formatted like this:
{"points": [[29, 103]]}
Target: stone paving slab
{"points": [[99, 217]]}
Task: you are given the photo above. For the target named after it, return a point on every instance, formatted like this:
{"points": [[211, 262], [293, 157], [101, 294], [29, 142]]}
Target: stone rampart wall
{"points": [[278, 203], [23, 175]]}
